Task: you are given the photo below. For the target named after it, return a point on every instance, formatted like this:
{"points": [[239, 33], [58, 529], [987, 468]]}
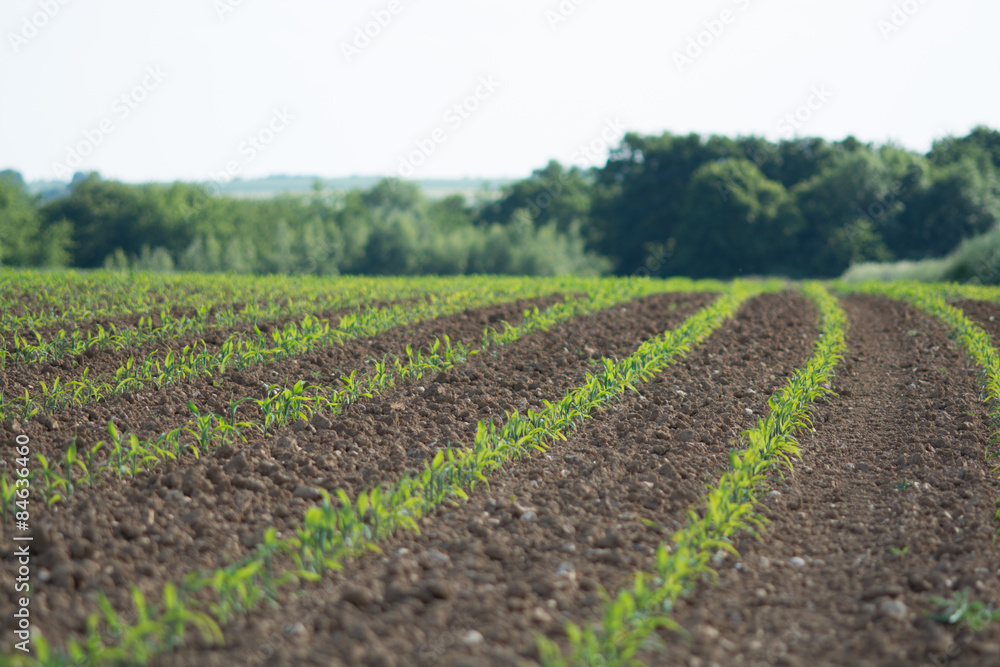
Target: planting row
{"points": [[316, 559], [237, 352], [125, 454], [881, 545], [533, 550]]}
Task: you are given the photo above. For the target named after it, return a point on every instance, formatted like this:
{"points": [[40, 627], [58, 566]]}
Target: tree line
{"points": [[661, 205]]}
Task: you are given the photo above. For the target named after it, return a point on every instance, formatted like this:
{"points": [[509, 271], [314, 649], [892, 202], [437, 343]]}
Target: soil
{"points": [[986, 314], [203, 514], [531, 551], [97, 363], [153, 411], [892, 504]]}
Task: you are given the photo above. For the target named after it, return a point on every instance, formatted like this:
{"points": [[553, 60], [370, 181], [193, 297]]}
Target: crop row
{"points": [[637, 611], [158, 369], [28, 347], [231, 309], [339, 528], [37, 300], [125, 455]]}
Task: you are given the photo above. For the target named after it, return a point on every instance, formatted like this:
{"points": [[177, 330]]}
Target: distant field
{"points": [[301, 185], [221, 470]]}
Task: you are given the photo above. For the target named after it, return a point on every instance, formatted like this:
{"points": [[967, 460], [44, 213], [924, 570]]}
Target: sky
{"points": [[217, 89]]}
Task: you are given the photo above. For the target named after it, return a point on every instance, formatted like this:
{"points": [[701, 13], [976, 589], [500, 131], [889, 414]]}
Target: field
{"points": [[224, 470]]}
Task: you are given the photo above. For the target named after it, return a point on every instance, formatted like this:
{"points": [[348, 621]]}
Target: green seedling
{"points": [[960, 609], [51, 480]]}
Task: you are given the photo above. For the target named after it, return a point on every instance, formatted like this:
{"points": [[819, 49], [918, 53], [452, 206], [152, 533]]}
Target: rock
{"points": [[48, 422], [131, 530], [797, 562], [566, 571], [442, 590], [359, 597], [472, 638], [295, 630], [434, 559], [307, 493], [611, 540], [496, 551], [539, 615], [895, 609]]}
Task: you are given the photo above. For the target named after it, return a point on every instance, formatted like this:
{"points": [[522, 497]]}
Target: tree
{"points": [[551, 195], [24, 239], [736, 222]]}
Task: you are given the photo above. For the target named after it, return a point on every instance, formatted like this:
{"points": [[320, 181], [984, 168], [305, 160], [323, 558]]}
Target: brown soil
{"points": [[14, 380], [875, 550], [893, 503], [532, 550], [154, 411], [196, 515], [986, 314]]}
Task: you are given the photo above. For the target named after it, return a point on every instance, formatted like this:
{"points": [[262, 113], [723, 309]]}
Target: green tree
{"points": [[736, 222], [25, 240]]}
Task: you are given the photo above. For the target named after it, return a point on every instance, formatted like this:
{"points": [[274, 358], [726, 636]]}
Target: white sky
{"points": [[559, 86]]}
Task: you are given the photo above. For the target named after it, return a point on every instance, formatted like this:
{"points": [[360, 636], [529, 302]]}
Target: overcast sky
{"points": [[196, 89]]}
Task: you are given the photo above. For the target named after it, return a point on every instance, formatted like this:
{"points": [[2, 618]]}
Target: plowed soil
{"points": [[197, 515], [155, 411], [892, 504], [531, 551], [891, 507]]}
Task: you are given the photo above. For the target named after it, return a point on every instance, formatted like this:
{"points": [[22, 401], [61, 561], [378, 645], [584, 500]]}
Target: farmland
{"points": [[219, 470]]}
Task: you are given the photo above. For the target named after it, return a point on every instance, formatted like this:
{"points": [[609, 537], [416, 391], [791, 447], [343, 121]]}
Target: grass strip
{"points": [[632, 617], [338, 528]]}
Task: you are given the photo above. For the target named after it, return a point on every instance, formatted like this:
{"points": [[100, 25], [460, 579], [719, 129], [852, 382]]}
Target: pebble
{"points": [[797, 562], [307, 493], [295, 630], [894, 609], [748, 411], [472, 638], [567, 570]]}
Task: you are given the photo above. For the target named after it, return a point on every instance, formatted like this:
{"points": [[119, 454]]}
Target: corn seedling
{"points": [[631, 617]]}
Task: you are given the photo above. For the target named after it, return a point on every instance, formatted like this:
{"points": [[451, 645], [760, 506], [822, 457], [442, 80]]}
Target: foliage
{"points": [[670, 204]]}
